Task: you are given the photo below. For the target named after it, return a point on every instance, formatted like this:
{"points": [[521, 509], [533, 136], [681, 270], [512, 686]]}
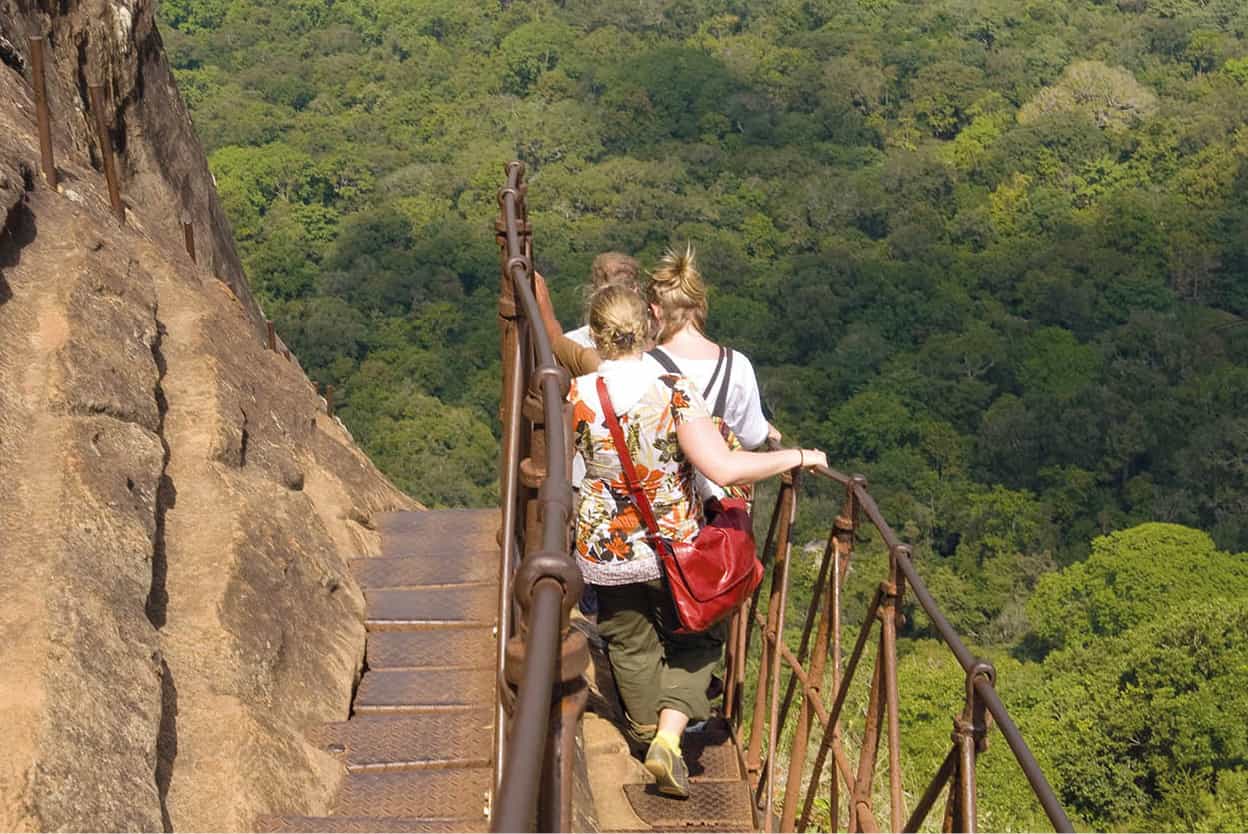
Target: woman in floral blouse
{"points": [[662, 676]]}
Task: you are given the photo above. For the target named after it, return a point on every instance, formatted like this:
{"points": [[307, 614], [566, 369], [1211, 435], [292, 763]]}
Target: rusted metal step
{"points": [[423, 740], [468, 647], [427, 569], [711, 806], [282, 825], [415, 794], [710, 753], [391, 692], [414, 533], [437, 607]]}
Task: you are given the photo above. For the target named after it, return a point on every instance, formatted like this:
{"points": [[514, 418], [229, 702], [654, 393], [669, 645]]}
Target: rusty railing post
{"points": [[96, 92], [43, 114], [753, 758], [272, 332], [889, 616], [188, 235], [329, 400], [772, 636], [861, 801], [970, 739], [820, 601]]}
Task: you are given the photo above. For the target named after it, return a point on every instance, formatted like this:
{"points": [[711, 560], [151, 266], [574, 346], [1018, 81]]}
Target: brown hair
{"points": [[618, 321], [615, 268], [677, 288]]}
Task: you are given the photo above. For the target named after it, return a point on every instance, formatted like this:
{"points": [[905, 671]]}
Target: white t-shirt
{"points": [[581, 336], [743, 408]]}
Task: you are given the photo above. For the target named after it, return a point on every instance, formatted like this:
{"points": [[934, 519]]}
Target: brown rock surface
{"points": [[176, 511]]}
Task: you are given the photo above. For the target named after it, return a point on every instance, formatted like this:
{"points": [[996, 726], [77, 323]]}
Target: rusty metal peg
{"points": [[43, 114], [188, 235], [272, 333], [96, 92], [329, 400]]}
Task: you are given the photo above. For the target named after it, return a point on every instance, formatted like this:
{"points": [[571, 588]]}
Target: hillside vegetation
{"points": [[991, 253]]}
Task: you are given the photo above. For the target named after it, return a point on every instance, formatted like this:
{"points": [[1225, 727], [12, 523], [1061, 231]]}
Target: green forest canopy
{"points": [[994, 254]]}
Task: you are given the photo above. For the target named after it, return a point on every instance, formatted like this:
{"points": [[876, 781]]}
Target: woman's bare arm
{"points": [[705, 447]]}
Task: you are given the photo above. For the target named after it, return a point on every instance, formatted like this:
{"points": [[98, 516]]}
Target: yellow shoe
{"points": [[668, 767]]}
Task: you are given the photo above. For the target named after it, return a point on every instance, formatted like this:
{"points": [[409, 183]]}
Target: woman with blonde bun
{"points": [[724, 377], [662, 676]]}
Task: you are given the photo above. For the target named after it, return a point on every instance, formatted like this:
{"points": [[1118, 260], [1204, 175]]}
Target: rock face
{"points": [[176, 509]]}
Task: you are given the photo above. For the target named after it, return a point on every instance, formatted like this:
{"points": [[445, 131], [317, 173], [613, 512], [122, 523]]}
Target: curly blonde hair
{"points": [[618, 321], [677, 288]]}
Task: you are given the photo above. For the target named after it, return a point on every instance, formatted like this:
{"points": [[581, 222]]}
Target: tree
{"points": [[1109, 95], [1132, 577]]}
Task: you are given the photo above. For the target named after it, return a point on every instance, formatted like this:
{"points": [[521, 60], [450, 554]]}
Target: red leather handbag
{"points": [[710, 577]]}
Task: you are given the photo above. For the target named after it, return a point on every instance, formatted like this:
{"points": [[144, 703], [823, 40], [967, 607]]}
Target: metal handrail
{"points": [[547, 579], [970, 727]]}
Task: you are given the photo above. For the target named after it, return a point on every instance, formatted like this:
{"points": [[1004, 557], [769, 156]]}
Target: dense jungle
{"points": [[991, 253]]}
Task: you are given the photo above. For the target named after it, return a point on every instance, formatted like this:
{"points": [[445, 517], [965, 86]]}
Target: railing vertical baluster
{"points": [[846, 527], [753, 758], [730, 667], [966, 783], [822, 600], [952, 812], [870, 742], [775, 626], [888, 645]]}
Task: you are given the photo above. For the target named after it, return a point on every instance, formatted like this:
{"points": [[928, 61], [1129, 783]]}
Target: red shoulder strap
{"points": [[640, 499]]}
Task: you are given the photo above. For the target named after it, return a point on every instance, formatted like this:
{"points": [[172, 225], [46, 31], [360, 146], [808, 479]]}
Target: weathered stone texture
{"points": [[176, 510]]}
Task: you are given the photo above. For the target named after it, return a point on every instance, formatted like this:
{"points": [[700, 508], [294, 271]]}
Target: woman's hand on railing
{"points": [[813, 459], [773, 436]]}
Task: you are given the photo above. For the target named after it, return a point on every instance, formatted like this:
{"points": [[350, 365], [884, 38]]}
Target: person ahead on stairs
{"points": [[662, 676], [677, 295]]}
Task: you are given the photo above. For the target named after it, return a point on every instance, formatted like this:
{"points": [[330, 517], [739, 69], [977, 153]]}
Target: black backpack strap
{"points": [[706, 392], [725, 362], [664, 360], [721, 402]]}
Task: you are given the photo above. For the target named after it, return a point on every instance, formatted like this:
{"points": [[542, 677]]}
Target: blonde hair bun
{"points": [[677, 288], [618, 321]]}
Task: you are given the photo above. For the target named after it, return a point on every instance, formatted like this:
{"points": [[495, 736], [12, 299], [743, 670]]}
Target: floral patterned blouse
{"points": [[612, 547]]}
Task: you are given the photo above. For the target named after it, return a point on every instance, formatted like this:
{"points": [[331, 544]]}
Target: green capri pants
{"points": [[655, 668]]}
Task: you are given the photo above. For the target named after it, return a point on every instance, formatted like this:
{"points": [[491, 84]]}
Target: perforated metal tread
{"points": [[443, 568], [710, 754], [415, 793], [715, 806], [431, 601], [418, 690], [436, 739], [421, 530], [432, 647], [441, 607], [281, 825]]}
